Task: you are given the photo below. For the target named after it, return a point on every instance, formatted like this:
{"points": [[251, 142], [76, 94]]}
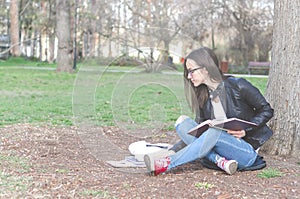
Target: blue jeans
{"points": [[212, 144]]}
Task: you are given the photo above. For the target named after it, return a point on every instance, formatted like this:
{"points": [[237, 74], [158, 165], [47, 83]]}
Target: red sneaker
{"points": [[156, 166], [161, 165]]}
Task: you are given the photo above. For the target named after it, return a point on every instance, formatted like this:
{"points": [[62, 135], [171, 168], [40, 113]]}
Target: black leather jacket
{"points": [[242, 100]]}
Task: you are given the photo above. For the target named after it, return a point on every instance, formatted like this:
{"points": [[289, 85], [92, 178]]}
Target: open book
{"points": [[234, 124]]}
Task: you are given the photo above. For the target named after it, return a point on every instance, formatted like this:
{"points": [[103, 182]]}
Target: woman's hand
{"points": [[237, 134]]}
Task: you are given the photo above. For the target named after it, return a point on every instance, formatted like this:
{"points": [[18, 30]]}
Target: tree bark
{"points": [[64, 53], [51, 47], [284, 82], [14, 17]]}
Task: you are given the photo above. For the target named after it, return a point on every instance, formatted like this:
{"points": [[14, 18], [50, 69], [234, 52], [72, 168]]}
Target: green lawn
{"points": [[92, 95], [35, 96], [21, 61]]}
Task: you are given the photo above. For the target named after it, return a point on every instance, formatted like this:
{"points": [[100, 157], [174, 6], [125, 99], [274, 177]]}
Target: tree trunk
{"points": [[51, 47], [14, 17], [33, 43], [284, 82], [40, 44], [64, 52]]}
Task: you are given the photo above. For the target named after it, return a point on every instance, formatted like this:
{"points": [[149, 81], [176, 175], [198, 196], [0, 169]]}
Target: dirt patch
{"points": [[67, 162]]}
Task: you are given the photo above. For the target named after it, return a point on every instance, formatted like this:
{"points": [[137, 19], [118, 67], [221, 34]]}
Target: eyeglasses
{"points": [[191, 71]]}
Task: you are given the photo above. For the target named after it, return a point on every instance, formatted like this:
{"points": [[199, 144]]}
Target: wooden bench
{"points": [[259, 66]]}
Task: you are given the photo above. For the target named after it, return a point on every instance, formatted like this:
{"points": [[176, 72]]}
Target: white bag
{"points": [[141, 148]]}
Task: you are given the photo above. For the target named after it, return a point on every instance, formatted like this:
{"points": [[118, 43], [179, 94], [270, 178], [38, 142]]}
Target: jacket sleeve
{"points": [[199, 116], [256, 101]]}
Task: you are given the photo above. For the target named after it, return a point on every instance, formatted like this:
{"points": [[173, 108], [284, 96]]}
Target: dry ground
{"points": [[67, 162]]}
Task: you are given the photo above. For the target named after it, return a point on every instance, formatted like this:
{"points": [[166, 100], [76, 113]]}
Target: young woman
{"points": [[213, 96]]}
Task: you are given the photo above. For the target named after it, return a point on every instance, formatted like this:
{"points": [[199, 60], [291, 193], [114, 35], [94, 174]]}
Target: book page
{"points": [[234, 124]]}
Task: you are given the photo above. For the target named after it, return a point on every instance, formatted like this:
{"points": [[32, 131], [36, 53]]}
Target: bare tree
{"points": [[64, 53], [51, 31], [110, 28], [196, 20], [14, 31], [250, 25], [284, 83], [47, 23], [153, 25]]}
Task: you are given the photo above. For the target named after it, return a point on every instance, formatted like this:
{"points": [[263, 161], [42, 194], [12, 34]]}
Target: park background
{"points": [[120, 86], [150, 31]]}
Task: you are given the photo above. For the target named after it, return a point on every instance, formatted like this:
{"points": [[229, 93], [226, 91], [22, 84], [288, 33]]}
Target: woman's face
{"points": [[197, 74]]}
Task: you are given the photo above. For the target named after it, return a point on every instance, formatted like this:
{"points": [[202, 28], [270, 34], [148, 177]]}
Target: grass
{"points": [[13, 183], [35, 96], [18, 164], [148, 100], [102, 97], [260, 83], [204, 185], [97, 193], [22, 61], [10, 180], [270, 173], [62, 171]]}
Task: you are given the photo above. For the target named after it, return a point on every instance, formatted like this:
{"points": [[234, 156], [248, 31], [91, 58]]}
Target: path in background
{"points": [[137, 70]]}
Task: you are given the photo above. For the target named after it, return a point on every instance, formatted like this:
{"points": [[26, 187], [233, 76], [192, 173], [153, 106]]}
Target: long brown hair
{"points": [[197, 96]]}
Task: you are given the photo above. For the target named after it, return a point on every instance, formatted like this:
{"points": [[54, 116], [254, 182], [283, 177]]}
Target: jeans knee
{"points": [[213, 132], [180, 119]]}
